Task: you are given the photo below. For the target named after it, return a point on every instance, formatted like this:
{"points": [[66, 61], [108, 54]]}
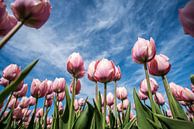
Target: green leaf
{"points": [[6, 120], [175, 123], [112, 120], [98, 118], [8, 89], [129, 125], [192, 79], [127, 116], [142, 115], [85, 119]]}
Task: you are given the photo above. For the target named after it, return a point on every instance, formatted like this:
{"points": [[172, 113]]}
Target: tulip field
{"points": [[110, 110]]}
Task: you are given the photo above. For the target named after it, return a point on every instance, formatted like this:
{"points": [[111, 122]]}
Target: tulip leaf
{"points": [[6, 120], [129, 125], [98, 118], [192, 79], [127, 116], [8, 89], [142, 115], [85, 119], [175, 123], [112, 120]]}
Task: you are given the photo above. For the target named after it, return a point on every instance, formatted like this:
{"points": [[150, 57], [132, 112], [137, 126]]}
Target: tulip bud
{"points": [[49, 87], [76, 105], [17, 114], [186, 16], [121, 93], [144, 87], [50, 96], [13, 103], [125, 104], [59, 85], [26, 112], [107, 120], [11, 72], [142, 96], [4, 82], [187, 95], [32, 101], [20, 86], [176, 90], [81, 102], [21, 92], [39, 113], [60, 107], [143, 50], [117, 73], [169, 113], [159, 99], [49, 120], [91, 70], [119, 107], [38, 88], [159, 66], [48, 102], [77, 88], [75, 65], [34, 13], [110, 99], [24, 102], [104, 71], [61, 96]]}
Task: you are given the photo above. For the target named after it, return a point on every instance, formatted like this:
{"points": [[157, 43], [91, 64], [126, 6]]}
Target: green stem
{"points": [[115, 100], [150, 94], [10, 34], [96, 92], [104, 115], [72, 104], [122, 112]]}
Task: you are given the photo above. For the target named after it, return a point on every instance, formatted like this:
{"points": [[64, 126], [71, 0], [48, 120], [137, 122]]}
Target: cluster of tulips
{"points": [[108, 110]]}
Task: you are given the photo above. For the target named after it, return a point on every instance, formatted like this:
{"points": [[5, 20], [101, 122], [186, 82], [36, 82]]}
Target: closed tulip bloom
{"points": [[4, 82], [144, 87], [11, 72], [104, 71], [60, 107], [26, 112], [187, 95], [61, 96], [13, 103], [143, 50], [125, 104], [19, 87], [59, 85], [117, 73], [2, 9], [159, 98], [159, 66], [169, 113], [91, 70], [77, 88], [39, 113], [119, 107], [75, 65], [176, 90], [76, 105], [81, 102], [24, 103], [48, 102], [34, 13], [49, 87], [192, 88], [17, 114], [186, 16], [50, 96], [110, 99], [21, 92], [49, 120], [38, 88], [32, 101], [121, 93], [107, 120], [142, 96]]}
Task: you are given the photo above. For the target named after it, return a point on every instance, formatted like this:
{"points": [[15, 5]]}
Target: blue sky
{"points": [[103, 29]]}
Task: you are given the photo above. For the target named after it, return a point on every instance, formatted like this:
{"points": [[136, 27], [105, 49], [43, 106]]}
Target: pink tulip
{"points": [[159, 98], [39, 113], [183, 103], [48, 102], [2, 10], [4, 82], [76, 105], [26, 112], [192, 88], [119, 107], [21, 92], [38, 88], [143, 50], [59, 85], [117, 73], [13, 103], [81, 102], [102, 99], [169, 113], [50, 96], [75, 65], [60, 107], [11, 72], [159, 66], [61, 96], [32, 101], [34, 13], [19, 87], [24, 102], [176, 90], [77, 88], [144, 87], [17, 114], [49, 120], [104, 71], [125, 104], [107, 120], [49, 87], [187, 95], [91, 70], [186, 16], [132, 115], [121, 93], [110, 99], [142, 96]]}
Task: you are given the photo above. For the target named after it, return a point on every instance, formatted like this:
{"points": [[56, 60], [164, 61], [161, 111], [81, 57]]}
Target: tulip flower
{"points": [[75, 65], [60, 107], [176, 90], [77, 88], [81, 102], [110, 99], [11, 72], [17, 114], [4, 82], [144, 87], [48, 102], [38, 88], [24, 103], [21, 92], [186, 16], [142, 96], [50, 96], [76, 105], [33, 13], [125, 104], [169, 113], [119, 107], [121, 93], [107, 120], [49, 87], [143, 50], [91, 70], [187, 95], [39, 113], [2, 10], [159, 98], [13, 103], [159, 66], [59, 85], [32, 101], [117, 73], [61, 96]]}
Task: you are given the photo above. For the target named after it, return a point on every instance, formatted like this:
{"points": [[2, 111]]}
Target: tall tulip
{"points": [[187, 95], [176, 90], [144, 87], [121, 93], [21, 92], [159, 98], [110, 99], [142, 96], [38, 88], [61, 96], [59, 85], [24, 102], [11, 72]]}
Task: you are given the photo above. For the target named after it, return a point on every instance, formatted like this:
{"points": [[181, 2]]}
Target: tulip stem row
{"points": [[104, 115], [115, 101]]}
